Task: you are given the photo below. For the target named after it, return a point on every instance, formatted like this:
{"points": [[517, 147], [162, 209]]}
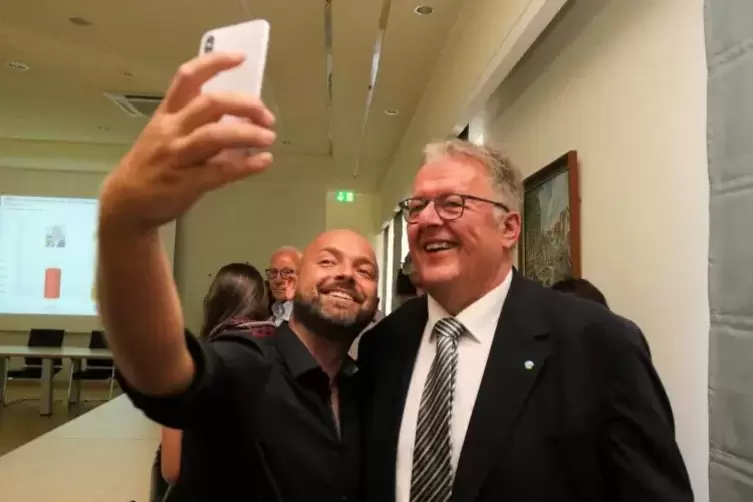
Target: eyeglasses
{"points": [[285, 273], [449, 207]]}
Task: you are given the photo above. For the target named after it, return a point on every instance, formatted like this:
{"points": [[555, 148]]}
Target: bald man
{"points": [[282, 275]]}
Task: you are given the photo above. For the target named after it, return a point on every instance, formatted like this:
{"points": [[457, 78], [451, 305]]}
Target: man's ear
{"points": [[511, 228]]}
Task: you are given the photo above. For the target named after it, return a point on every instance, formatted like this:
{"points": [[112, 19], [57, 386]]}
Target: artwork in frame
{"points": [[550, 241]]}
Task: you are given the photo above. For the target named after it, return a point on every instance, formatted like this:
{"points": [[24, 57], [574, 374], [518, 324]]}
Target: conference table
{"points": [[104, 455], [47, 355]]}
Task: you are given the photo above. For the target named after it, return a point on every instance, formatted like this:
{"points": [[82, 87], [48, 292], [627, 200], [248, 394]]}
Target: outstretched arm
{"points": [[184, 152]]}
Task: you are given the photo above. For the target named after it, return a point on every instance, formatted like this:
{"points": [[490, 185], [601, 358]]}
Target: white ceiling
{"points": [[55, 116]]}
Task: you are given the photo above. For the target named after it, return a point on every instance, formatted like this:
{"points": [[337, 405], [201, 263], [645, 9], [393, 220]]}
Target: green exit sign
{"points": [[344, 196]]}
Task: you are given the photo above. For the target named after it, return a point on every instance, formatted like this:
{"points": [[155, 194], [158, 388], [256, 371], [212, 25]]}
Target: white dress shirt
{"points": [[480, 320], [281, 312]]}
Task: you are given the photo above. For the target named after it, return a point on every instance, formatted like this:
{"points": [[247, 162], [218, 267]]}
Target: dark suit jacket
{"points": [[590, 421]]}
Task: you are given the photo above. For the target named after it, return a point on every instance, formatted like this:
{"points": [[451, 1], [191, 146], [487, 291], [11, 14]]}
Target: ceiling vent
{"points": [[135, 105]]}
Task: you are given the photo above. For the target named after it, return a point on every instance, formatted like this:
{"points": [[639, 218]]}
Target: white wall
{"points": [[624, 84]]}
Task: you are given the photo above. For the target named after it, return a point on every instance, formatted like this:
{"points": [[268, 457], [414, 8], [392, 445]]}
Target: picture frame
{"points": [[549, 248]]}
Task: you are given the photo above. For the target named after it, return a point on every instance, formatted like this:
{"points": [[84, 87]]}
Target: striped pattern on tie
{"points": [[432, 454]]}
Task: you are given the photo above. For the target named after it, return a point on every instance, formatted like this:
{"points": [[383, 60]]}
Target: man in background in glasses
{"points": [[491, 387], [282, 275]]}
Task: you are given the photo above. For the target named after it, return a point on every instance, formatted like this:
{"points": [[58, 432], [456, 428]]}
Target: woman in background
{"points": [[407, 283], [237, 300], [583, 288]]}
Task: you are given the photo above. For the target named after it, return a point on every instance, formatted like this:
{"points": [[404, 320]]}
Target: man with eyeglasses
{"points": [[491, 387], [282, 275]]}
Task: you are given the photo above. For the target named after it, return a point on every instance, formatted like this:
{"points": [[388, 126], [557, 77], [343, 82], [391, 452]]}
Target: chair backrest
{"points": [[98, 341], [45, 338]]}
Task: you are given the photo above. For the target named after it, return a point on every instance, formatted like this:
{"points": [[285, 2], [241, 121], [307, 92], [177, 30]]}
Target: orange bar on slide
{"points": [[52, 278]]}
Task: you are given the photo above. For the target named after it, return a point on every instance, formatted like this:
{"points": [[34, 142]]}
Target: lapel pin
{"points": [[528, 365]]}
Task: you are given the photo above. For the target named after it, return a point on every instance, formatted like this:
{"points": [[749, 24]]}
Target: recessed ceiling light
{"points": [[80, 21], [424, 10], [391, 112], [17, 66]]}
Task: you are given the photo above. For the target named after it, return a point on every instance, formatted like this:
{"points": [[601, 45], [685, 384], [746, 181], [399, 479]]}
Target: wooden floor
{"points": [[20, 421]]}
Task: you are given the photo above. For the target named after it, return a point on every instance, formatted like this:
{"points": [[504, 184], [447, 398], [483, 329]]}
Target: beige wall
{"points": [[624, 85], [357, 216]]}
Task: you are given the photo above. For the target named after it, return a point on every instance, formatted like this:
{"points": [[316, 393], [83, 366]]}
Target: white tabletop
{"points": [[46, 352], [104, 455]]}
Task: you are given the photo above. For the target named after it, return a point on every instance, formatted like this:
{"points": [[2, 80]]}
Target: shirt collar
{"points": [[297, 357], [475, 317], [281, 311]]}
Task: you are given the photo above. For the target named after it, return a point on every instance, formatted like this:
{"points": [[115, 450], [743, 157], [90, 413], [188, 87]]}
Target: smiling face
{"points": [[283, 267], [337, 285], [459, 261]]}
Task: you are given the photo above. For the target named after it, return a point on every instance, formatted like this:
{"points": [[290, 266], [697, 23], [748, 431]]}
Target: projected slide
{"points": [[47, 255]]}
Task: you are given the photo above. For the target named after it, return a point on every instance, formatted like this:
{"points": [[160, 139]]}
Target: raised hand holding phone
{"points": [[181, 153]]}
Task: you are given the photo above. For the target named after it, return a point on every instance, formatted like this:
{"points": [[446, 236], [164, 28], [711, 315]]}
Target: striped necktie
{"points": [[432, 454]]}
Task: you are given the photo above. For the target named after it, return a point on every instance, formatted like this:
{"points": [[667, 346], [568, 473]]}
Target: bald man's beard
{"points": [[337, 327]]}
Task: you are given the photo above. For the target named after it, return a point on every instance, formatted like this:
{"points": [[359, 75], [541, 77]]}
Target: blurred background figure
{"points": [[282, 275], [407, 284], [237, 300], [581, 288]]}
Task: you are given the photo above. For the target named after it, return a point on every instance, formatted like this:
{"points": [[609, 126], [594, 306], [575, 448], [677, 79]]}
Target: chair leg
{"points": [[70, 387], [4, 361], [112, 384]]}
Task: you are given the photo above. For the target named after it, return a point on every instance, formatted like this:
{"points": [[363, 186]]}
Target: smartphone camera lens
{"points": [[209, 44]]}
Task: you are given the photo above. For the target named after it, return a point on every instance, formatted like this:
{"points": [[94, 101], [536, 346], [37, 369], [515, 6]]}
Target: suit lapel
{"points": [[518, 353], [394, 380]]}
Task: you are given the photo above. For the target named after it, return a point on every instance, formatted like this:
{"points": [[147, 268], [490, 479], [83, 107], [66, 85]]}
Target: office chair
{"points": [[32, 369], [96, 369]]}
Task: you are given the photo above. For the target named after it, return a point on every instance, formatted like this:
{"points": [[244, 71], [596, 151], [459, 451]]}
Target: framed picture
{"points": [[550, 242]]}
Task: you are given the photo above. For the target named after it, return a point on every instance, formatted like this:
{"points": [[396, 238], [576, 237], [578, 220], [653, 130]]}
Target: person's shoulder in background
{"points": [[256, 329], [588, 315]]}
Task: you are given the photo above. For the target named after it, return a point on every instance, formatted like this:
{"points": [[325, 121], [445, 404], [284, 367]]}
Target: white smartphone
{"points": [[251, 39]]}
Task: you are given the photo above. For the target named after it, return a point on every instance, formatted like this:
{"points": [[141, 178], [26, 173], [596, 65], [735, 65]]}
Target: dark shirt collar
{"points": [[297, 357]]}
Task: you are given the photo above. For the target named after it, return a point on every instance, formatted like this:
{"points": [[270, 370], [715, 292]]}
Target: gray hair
{"points": [[506, 180], [291, 251]]}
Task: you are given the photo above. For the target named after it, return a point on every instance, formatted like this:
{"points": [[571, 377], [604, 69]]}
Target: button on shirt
{"points": [[258, 424], [480, 320]]}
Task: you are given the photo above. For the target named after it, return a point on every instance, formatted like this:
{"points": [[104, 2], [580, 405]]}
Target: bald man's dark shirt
{"points": [[258, 423]]}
